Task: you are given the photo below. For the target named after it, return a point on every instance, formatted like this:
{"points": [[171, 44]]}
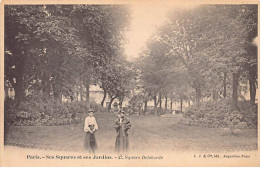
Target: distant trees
{"points": [[117, 80], [203, 52]]}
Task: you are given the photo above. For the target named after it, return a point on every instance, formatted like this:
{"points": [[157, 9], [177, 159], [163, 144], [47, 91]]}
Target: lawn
{"points": [[148, 133]]}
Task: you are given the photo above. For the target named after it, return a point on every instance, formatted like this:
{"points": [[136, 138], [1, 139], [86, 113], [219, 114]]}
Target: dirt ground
{"points": [[148, 133]]}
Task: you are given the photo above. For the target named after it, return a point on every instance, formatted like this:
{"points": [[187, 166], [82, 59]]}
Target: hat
{"points": [[90, 110]]}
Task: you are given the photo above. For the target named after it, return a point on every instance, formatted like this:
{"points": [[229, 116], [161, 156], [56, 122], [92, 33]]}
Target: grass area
{"points": [[148, 133]]}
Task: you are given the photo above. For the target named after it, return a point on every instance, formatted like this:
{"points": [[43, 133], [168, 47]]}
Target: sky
{"points": [[146, 18]]}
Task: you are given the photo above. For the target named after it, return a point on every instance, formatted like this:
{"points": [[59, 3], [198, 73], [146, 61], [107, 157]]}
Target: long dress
{"points": [[122, 140], [90, 143]]}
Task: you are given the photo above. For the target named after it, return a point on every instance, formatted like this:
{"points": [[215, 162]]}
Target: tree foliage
{"points": [[56, 48], [203, 53]]}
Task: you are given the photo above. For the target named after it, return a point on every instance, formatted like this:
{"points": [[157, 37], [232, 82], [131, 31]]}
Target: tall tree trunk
{"points": [[46, 88], [57, 95], [110, 103], [155, 101], [252, 88], [166, 104], [104, 98], [87, 93], [121, 99], [56, 91], [77, 95], [235, 88], [71, 98], [225, 85], [160, 102], [19, 89], [57, 88], [252, 84], [155, 104], [198, 95], [181, 103], [6, 90], [81, 91], [145, 106], [171, 105], [18, 86]]}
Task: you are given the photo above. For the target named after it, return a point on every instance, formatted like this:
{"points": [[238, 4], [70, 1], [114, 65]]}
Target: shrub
{"points": [[220, 114], [97, 107], [42, 110]]}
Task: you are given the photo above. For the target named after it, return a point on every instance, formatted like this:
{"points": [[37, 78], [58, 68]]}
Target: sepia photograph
{"points": [[130, 84]]}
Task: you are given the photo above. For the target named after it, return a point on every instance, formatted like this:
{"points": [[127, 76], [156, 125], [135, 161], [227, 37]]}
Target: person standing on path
{"points": [[122, 126], [90, 127]]}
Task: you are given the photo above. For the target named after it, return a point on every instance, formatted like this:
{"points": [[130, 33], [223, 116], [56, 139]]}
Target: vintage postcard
{"points": [[129, 83]]}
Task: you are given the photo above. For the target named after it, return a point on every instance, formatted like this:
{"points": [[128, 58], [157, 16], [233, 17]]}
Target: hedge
{"points": [[43, 110], [219, 114]]}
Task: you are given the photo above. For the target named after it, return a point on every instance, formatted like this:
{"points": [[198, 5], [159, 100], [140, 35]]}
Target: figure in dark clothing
{"points": [[122, 126]]}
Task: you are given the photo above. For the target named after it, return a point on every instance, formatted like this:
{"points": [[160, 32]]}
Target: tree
{"points": [[206, 39], [55, 46], [117, 80], [18, 40], [158, 71]]}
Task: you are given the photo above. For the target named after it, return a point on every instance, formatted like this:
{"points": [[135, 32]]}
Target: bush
{"points": [[135, 104], [43, 110], [219, 114], [97, 107]]}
